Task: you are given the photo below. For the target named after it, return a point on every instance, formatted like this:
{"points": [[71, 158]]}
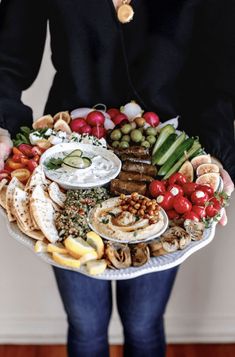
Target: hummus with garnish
{"points": [[111, 221]]}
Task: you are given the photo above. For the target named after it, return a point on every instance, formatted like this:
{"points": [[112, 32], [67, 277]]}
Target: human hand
{"points": [[5, 146], [228, 189]]}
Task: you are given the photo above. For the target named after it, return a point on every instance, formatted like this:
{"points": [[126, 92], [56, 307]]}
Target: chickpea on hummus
{"points": [[127, 218]]}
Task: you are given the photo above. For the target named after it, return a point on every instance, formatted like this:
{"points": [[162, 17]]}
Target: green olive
{"points": [[136, 135], [126, 138], [115, 144], [151, 131], [124, 145], [126, 128], [143, 138], [133, 125], [151, 139], [116, 135], [145, 144]]}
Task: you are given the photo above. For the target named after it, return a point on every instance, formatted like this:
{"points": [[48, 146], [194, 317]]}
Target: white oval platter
{"points": [[155, 263]]}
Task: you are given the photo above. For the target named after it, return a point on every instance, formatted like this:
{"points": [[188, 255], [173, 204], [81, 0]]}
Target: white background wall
{"points": [[202, 307]]}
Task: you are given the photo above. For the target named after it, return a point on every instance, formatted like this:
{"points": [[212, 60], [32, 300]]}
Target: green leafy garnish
{"points": [[23, 136], [53, 163]]}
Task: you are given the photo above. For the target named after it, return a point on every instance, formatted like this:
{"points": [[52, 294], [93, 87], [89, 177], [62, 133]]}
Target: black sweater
{"points": [[177, 57]]}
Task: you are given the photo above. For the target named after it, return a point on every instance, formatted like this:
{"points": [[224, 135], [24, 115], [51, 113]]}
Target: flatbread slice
{"points": [[43, 213], [21, 209], [56, 194], [3, 191], [38, 235], [9, 197], [37, 178], [32, 218]]}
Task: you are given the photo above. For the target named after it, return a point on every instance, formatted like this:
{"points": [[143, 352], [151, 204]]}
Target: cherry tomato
{"points": [[24, 161], [17, 157], [165, 200], [36, 151], [182, 205], [172, 214], [36, 158], [175, 190], [32, 165], [206, 188], [215, 202], [189, 188], [192, 216], [14, 165], [199, 197], [22, 174], [177, 178], [199, 210], [16, 151], [212, 210], [26, 149], [156, 187]]}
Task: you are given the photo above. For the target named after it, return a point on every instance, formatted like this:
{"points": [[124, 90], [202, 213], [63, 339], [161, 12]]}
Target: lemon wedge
{"points": [[95, 267], [96, 242], [66, 260], [77, 247], [40, 247], [88, 256], [56, 248]]}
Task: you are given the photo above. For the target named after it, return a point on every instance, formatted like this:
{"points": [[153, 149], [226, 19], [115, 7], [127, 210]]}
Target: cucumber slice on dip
{"points": [[77, 162], [86, 161], [74, 161], [76, 152]]}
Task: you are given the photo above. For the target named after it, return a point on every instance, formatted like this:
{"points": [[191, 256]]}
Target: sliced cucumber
{"points": [[162, 159], [164, 133], [175, 156], [76, 152], [187, 155], [74, 161], [160, 153], [86, 161]]}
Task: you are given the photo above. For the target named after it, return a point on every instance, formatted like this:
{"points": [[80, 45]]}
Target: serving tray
{"points": [[155, 263]]}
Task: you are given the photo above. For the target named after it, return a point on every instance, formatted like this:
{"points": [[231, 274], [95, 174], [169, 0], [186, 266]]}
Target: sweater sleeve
{"points": [[210, 107], [22, 38]]}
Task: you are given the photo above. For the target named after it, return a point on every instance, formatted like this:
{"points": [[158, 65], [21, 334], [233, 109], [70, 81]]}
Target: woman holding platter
{"points": [[173, 57]]}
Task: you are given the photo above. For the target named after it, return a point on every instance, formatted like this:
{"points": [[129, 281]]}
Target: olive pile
{"points": [[133, 133]]}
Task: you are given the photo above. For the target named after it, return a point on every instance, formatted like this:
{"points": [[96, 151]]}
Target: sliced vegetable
{"points": [[77, 162], [179, 152], [164, 148], [164, 133], [187, 153], [176, 143], [76, 152], [21, 174]]}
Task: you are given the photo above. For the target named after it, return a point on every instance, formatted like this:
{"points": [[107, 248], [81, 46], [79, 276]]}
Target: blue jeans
{"points": [[141, 304]]}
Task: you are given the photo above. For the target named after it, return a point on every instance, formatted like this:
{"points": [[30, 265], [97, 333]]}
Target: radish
{"points": [[95, 118], [151, 118], [119, 118], [113, 112], [86, 129], [77, 123], [98, 132]]}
